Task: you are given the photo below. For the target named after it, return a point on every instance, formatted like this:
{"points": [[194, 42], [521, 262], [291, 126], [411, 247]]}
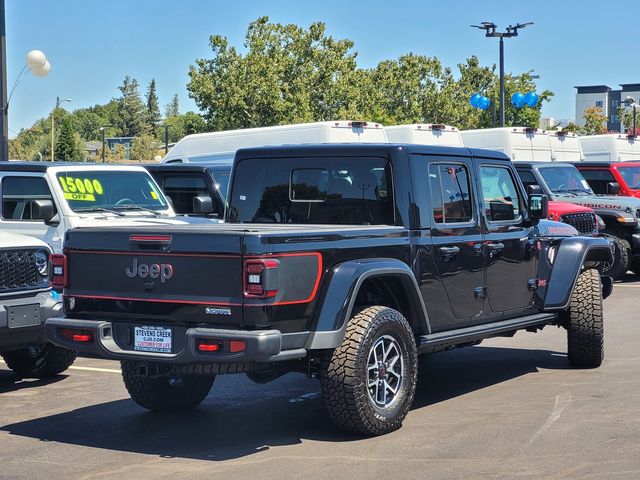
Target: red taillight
{"points": [[205, 346], [81, 336], [237, 346], [261, 278], [58, 270]]}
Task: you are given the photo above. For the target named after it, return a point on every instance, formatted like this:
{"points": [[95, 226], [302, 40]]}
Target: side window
{"points": [[450, 195], [500, 194], [527, 178], [182, 191], [598, 179], [19, 192]]}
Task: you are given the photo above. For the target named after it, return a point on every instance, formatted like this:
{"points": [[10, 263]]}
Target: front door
{"points": [[456, 238], [509, 249]]}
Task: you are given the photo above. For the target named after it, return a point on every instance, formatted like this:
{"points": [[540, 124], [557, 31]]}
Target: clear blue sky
{"points": [[92, 45]]}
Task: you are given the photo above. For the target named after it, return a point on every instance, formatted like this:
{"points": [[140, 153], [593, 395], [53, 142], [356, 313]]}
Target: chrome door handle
{"points": [[495, 246], [449, 250]]}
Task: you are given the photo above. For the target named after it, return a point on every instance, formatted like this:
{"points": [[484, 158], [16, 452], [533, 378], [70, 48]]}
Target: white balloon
{"points": [[43, 70], [36, 58]]}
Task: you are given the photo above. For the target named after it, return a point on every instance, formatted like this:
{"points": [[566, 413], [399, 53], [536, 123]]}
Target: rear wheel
{"points": [[166, 393], [42, 361], [369, 381], [621, 259], [585, 323]]}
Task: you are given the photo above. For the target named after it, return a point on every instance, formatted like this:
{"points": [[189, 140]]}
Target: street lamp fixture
{"points": [[490, 29], [102, 129], [53, 115], [631, 102]]}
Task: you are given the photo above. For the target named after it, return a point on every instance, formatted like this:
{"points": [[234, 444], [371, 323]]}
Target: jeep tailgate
{"points": [[178, 275]]}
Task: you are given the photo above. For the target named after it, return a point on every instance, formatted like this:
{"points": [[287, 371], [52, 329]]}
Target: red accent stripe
{"points": [[156, 300], [154, 254]]}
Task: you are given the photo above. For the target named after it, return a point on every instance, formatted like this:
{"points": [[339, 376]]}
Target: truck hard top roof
{"points": [[543, 164], [365, 149], [607, 164], [186, 167], [44, 166]]}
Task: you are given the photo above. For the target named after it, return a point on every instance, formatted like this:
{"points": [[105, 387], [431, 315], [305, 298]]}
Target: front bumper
{"points": [[113, 341], [15, 334]]}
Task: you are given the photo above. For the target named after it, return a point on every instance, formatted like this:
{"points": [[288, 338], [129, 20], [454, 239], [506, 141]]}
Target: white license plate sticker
{"points": [[152, 339]]}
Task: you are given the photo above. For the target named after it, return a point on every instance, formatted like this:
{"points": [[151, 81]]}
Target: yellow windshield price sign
{"points": [[78, 188]]}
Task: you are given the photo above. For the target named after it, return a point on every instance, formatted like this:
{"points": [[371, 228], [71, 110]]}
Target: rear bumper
{"points": [[14, 335], [107, 341]]}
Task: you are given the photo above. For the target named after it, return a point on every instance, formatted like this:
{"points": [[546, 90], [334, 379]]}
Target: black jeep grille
{"points": [[585, 223], [18, 270]]}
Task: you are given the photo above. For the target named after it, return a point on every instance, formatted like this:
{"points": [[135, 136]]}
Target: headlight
{"points": [[42, 263]]}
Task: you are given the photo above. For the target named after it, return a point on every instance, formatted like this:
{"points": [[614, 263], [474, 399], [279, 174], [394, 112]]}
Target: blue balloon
{"points": [[474, 100], [531, 99], [517, 100], [484, 103]]}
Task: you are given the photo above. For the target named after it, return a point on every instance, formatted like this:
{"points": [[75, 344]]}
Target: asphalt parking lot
{"points": [[508, 408]]}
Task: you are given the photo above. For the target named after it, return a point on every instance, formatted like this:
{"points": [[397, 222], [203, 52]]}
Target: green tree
{"points": [[172, 109], [66, 147], [130, 109], [595, 121], [153, 108], [288, 75], [143, 148], [625, 114], [571, 127], [118, 154]]}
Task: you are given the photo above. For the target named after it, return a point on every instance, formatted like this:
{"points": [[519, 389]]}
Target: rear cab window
{"points": [[183, 189], [598, 179], [335, 191]]}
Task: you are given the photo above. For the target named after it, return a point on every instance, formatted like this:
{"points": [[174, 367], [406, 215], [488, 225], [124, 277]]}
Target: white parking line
{"points": [[88, 369], [95, 369], [616, 285]]}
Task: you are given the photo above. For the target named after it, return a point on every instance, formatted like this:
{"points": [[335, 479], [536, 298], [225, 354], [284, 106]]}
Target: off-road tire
{"points": [[621, 259], [43, 361], [585, 326], [344, 374], [166, 393]]}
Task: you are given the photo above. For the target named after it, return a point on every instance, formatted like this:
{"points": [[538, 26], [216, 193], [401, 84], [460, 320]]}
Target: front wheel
{"points": [[166, 393], [617, 269], [585, 322], [369, 381], [43, 361]]}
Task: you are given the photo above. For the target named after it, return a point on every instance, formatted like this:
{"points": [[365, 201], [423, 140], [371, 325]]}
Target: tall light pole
{"points": [[53, 115], [631, 102], [103, 129], [511, 31]]}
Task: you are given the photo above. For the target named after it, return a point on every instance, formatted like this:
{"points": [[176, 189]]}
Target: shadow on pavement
{"points": [[10, 382], [239, 418]]}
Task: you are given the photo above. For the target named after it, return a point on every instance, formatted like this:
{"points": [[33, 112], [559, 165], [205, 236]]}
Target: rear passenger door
{"points": [[509, 248], [456, 237]]}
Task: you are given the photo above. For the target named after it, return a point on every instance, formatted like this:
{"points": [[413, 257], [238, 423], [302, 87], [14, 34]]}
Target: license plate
{"points": [[23, 315], [152, 339]]}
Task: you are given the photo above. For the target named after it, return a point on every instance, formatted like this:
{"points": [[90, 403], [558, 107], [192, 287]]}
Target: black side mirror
{"points": [[534, 189], [613, 188], [202, 204], [42, 210], [538, 206]]}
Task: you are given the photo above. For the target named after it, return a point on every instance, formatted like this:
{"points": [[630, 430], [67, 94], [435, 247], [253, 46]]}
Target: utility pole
{"points": [[4, 104], [511, 31]]}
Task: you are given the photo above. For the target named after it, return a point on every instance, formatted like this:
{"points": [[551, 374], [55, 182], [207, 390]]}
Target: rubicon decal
{"points": [[163, 271]]}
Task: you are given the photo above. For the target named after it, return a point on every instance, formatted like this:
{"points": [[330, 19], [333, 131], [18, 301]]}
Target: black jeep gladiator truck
{"points": [[344, 262]]}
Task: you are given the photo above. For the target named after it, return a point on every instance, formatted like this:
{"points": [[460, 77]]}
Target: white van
{"points": [[221, 146], [565, 146], [425, 134], [519, 143], [610, 147]]}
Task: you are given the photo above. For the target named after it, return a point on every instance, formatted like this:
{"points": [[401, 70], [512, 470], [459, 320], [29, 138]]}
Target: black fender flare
{"points": [[340, 295], [570, 256]]}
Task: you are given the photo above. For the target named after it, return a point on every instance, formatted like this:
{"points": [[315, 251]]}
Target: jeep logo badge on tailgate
{"points": [[164, 271]]}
